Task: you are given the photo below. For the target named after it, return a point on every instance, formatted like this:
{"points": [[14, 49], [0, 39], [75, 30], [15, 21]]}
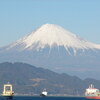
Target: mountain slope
{"points": [[57, 49], [27, 79]]}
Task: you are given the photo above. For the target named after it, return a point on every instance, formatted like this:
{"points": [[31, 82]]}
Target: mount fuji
{"points": [[52, 47]]}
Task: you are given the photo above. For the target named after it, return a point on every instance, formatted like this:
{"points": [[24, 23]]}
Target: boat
{"points": [[8, 92], [92, 93], [44, 93]]}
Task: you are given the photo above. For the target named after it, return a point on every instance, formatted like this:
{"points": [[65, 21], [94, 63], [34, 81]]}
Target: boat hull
{"points": [[42, 95], [93, 97], [8, 97]]}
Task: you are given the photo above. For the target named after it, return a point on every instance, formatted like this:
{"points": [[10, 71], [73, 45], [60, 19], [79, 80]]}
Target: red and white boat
{"points": [[92, 93]]}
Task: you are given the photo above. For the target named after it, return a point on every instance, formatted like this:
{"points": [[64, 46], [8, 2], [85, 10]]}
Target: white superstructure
{"points": [[8, 90], [44, 93], [91, 91]]}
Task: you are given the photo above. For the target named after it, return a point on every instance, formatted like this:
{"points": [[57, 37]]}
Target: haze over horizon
{"points": [[18, 18]]}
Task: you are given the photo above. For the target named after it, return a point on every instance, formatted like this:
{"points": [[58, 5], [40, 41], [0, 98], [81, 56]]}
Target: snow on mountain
{"points": [[51, 35]]}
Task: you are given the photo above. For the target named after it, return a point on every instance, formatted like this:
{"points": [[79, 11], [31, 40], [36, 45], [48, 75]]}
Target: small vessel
{"points": [[92, 93], [8, 92], [44, 93]]}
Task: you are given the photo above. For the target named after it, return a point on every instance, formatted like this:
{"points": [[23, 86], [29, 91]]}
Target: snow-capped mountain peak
{"points": [[51, 35]]}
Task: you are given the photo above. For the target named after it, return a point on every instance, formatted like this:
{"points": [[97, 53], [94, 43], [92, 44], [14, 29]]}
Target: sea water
{"points": [[44, 98]]}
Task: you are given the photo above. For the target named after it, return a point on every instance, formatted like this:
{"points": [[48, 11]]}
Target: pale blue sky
{"points": [[19, 17]]}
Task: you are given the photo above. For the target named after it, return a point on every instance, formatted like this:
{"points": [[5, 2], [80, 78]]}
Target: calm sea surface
{"points": [[44, 98]]}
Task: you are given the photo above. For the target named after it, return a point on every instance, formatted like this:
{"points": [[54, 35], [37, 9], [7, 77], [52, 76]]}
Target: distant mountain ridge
{"points": [[27, 79], [52, 47]]}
